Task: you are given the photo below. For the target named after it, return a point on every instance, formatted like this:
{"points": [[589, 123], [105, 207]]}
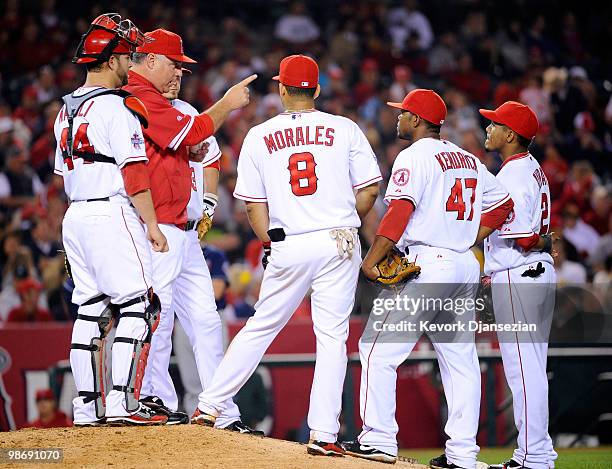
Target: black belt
{"points": [[101, 199], [276, 234], [89, 157], [191, 224]]}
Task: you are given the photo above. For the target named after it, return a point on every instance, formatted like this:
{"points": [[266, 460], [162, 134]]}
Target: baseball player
{"points": [[193, 295], [156, 69], [217, 264], [307, 178], [436, 195], [518, 259], [101, 157]]}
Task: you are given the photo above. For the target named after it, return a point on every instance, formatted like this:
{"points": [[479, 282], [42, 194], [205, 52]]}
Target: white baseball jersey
{"points": [[306, 166], [195, 205], [528, 187], [105, 126], [450, 189]]}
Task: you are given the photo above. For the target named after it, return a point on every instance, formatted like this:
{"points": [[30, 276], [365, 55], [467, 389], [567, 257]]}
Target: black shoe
{"points": [[354, 448], [240, 427], [441, 463], [157, 405], [324, 448], [142, 417], [511, 464]]}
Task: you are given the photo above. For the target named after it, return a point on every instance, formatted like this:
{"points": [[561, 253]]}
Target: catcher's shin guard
{"points": [[151, 316], [96, 349]]}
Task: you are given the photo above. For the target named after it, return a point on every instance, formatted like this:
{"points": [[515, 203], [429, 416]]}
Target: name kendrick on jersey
{"points": [[469, 326], [455, 160], [293, 137]]}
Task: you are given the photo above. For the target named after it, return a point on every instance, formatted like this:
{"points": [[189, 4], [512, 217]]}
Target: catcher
{"points": [[437, 195]]}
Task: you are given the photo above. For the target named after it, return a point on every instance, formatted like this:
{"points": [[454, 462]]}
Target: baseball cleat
{"points": [[511, 464], [354, 448], [95, 423], [324, 448], [441, 463], [142, 417], [200, 418], [157, 406], [240, 427]]}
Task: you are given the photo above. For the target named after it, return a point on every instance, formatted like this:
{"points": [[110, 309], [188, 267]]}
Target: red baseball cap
{"points": [[516, 116], [26, 285], [426, 104], [44, 394], [166, 43], [299, 71]]}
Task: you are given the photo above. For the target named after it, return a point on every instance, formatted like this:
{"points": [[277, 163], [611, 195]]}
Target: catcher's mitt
{"points": [[395, 268], [204, 225]]}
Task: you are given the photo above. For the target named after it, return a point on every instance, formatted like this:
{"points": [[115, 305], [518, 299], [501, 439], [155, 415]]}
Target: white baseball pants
{"points": [[531, 301], [458, 276], [182, 281], [298, 264], [188, 368], [109, 254]]}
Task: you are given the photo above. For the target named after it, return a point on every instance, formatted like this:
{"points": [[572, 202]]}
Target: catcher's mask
{"points": [[108, 34]]}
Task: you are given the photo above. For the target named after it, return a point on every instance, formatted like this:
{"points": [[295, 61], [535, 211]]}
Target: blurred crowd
{"points": [[551, 56]]}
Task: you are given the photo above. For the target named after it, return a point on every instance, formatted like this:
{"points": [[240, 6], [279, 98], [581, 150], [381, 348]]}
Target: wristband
{"points": [[210, 202]]}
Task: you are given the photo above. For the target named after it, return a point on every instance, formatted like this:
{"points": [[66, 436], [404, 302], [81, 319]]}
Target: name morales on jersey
{"points": [[455, 160], [319, 135]]}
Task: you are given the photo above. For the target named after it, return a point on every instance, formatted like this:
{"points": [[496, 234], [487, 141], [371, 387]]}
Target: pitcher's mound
{"points": [[177, 447]]}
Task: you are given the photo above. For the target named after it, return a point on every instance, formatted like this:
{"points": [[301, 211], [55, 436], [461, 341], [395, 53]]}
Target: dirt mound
{"points": [[176, 446]]}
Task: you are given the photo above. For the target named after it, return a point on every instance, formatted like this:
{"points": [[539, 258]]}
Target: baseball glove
{"points": [[66, 263], [204, 226], [210, 202], [395, 268]]}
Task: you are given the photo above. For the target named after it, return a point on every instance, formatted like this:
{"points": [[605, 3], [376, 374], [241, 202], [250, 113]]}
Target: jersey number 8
{"points": [[303, 179]]}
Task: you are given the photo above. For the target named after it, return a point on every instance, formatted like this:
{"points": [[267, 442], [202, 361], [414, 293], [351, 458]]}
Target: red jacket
{"points": [[168, 165]]}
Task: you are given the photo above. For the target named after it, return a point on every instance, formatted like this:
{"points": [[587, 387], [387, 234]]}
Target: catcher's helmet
{"points": [[108, 34]]}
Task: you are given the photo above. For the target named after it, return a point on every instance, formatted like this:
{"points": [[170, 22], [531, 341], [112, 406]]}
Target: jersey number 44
{"points": [[80, 143]]}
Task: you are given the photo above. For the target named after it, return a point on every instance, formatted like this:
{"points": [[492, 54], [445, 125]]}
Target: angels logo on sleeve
{"points": [[401, 176], [137, 141]]}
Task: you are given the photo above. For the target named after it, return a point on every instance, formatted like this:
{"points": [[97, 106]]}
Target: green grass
{"points": [[569, 458]]}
